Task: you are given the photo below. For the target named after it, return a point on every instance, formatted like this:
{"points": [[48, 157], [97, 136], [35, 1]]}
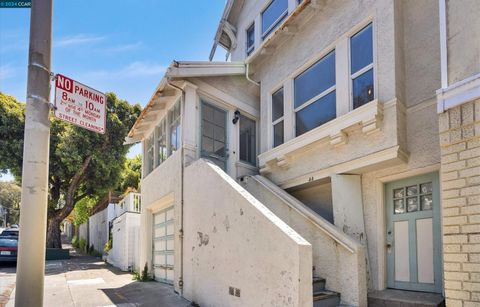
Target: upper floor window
{"points": [[361, 66], [314, 95], [161, 134], [272, 15], [248, 148], [250, 38], [175, 127], [277, 117], [149, 154]]}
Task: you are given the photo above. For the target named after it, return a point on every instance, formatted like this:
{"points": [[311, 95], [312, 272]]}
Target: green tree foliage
{"points": [[82, 209], [82, 163], [131, 174], [10, 194], [12, 121]]}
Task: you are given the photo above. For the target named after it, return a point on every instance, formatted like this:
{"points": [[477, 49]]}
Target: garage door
{"points": [[163, 245]]}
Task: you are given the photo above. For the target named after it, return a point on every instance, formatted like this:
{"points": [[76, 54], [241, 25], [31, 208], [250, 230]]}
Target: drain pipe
{"points": [[247, 75], [182, 158]]}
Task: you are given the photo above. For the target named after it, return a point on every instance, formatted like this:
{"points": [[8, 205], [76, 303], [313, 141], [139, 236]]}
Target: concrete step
{"points": [[318, 284], [326, 298], [401, 298]]}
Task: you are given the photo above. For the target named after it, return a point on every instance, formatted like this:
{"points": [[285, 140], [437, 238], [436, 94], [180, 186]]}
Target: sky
{"points": [[113, 46]]}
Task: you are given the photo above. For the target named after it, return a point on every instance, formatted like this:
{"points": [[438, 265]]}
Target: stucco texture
{"points": [[232, 240]]}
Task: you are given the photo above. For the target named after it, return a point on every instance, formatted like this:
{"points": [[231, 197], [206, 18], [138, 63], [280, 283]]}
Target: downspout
{"points": [[182, 165], [247, 65]]}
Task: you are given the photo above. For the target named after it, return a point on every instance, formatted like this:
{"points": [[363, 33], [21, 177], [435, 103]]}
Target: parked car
{"points": [[10, 232], [8, 248]]}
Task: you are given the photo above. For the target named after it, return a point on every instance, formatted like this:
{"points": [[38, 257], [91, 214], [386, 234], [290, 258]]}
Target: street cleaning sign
{"points": [[79, 104]]}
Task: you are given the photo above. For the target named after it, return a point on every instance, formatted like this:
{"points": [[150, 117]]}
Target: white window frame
{"points": [[315, 98], [268, 31], [359, 27]]}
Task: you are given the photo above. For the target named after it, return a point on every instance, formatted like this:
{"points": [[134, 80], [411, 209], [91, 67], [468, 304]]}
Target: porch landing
{"points": [[397, 298]]}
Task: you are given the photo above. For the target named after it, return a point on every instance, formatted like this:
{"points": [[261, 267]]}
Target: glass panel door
{"points": [[214, 135]]}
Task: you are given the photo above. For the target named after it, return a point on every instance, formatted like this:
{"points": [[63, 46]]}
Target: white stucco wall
{"points": [[125, 242], [233, 240], [463, 29], [344, 271]]}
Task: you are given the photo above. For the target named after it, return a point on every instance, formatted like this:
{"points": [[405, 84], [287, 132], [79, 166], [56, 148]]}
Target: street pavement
{"points": [[88, 281]]}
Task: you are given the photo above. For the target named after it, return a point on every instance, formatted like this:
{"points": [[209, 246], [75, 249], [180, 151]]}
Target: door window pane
{"points": [[361, 47], [426, 202], [213, 133], [278, 134], [273, 14], [363, 89], [277, 104], [399, 206], [316, 114], [247, 140], [315, 80], [412, 204]]}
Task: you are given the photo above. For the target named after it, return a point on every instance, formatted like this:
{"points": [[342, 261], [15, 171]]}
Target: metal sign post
{"points": [[33, 215]]}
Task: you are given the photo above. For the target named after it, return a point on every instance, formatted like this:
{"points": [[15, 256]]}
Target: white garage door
{"points": [[163, 245]]}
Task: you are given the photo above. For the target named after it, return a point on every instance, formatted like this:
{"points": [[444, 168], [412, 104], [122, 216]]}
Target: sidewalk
{"points": [[88, 281]]}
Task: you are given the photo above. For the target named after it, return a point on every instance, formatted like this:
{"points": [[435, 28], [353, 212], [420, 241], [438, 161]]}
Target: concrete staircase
{"points": [[322, 297]]}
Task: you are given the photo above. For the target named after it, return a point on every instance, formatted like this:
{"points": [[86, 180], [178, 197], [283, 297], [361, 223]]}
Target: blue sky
{"points": [[118, 46]]}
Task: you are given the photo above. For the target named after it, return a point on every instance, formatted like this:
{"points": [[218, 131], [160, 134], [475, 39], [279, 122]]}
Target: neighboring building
{"points": [[459, 127], [327, 116]]}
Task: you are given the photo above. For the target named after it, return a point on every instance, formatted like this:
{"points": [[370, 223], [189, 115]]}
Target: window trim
{"points": [[275, 23], [248, 50], [359, 27]]}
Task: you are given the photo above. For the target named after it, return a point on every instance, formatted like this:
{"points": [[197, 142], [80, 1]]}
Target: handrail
{"points": [[329, 229]]}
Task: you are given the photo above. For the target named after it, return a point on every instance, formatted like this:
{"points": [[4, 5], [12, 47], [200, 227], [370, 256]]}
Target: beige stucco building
{"points": [[333, 159]]}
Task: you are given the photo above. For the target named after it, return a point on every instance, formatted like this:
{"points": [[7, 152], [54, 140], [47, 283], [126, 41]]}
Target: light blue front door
{"points": [[413, 234]]}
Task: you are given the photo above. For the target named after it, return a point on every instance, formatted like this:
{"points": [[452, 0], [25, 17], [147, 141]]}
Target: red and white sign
{"points": [[79, 104]]}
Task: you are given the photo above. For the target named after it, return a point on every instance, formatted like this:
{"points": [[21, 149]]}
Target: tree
{"points": [[82, 163], [130, 177], [12, 121], [10, 200]]}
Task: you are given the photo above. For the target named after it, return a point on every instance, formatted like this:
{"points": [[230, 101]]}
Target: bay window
{"points": [[175, 127], [149, 154], [314, 95], [161, 134], [361, 67]]}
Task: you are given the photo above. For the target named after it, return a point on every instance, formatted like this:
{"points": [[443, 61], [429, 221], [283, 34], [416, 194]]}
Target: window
{"points": [[277, 117], [248, 149], [161, 134], [175, 127], [315, 97], [250, 38], [272, 15], [149, 154], [361, 66]]}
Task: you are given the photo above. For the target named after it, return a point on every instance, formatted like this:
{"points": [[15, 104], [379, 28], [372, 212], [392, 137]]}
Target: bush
{"points": [[83, 245], [143, 276], [75, 241], [108, 246]]}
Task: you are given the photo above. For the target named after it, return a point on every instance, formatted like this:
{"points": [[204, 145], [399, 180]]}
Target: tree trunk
{"points": [[53, 233]]}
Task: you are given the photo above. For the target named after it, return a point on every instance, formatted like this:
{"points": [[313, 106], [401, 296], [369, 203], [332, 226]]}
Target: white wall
{"points": [[98, 230], [232, 240], [125, 242]]}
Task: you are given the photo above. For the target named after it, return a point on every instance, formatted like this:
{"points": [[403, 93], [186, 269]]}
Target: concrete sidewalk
{"points": [[88, 281]]}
